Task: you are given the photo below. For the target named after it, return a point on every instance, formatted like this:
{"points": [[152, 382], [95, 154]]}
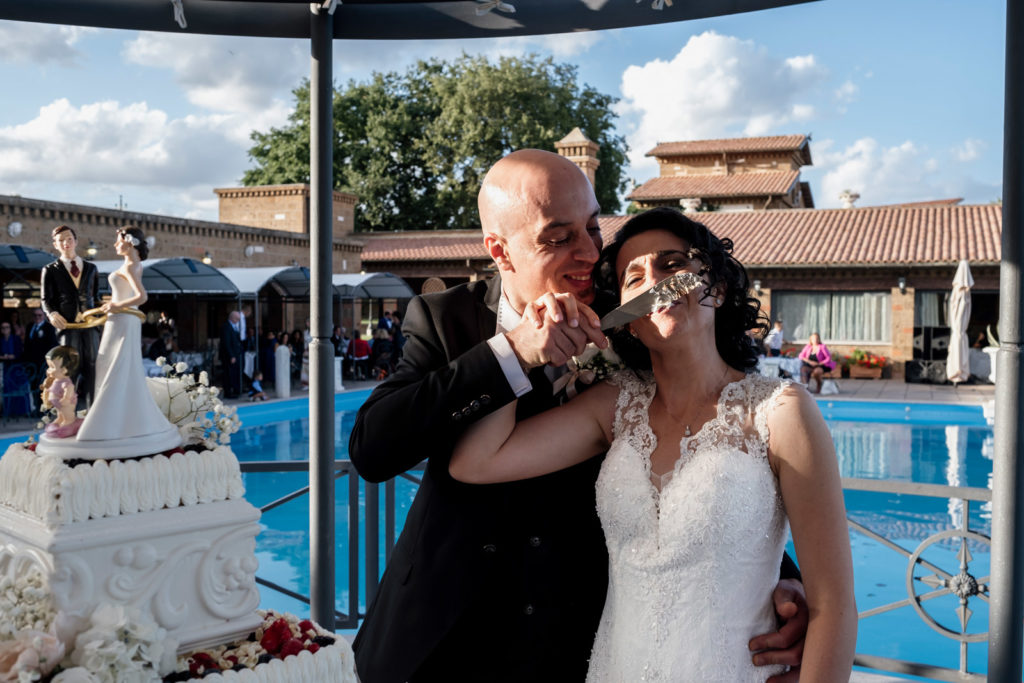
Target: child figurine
{"points": [[59, 391], [256, 392]]}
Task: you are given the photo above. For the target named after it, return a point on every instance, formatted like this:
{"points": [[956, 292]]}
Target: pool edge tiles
{"points": [[891, 412]]}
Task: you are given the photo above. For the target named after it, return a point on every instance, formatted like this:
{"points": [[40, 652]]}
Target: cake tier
{"points": [[334, 664], [191, 569], [46, 488]]}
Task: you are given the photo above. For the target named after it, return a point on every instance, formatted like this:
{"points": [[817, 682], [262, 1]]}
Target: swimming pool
{"points": [[922, 443]]}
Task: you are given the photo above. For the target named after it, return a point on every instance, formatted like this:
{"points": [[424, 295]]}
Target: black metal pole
{"points": [[1007, 590], [321, 352]]}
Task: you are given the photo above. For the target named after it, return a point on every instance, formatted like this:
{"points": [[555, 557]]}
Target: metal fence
{"points": [[925, 581]]}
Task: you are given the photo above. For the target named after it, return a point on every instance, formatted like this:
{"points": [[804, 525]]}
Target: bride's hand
{"points": [[107, 307]]}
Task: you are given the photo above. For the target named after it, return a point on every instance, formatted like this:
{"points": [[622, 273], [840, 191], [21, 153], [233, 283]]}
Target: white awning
{"points": [[371, 286], [174, 276], [291, 282]]}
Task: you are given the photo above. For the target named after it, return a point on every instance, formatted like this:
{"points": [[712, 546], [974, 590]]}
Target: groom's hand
{"points": [[786, 645], [554, 328]]}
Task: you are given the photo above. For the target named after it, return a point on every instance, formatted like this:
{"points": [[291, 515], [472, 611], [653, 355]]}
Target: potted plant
{"points": [[865, 365]]}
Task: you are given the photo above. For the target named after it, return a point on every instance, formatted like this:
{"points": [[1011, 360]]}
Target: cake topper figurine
{"points": [[124, 421], [58, 391], [70, 287]]}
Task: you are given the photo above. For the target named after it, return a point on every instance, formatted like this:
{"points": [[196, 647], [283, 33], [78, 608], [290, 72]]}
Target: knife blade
{"points": [[662, 294]]}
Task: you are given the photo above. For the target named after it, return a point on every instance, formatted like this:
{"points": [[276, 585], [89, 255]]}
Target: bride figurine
{"points": [[124, 420]]}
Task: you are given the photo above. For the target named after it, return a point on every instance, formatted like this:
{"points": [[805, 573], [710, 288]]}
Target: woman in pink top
{"points": [[816, 362]]}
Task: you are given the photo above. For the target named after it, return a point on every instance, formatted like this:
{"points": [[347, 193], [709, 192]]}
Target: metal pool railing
{"points": [[925, 581]]}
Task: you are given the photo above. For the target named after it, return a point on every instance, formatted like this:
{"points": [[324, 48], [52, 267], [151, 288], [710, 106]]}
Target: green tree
{"points": [[414, 147]]}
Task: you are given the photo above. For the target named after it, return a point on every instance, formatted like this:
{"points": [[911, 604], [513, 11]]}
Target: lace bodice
{"points": [[693, 558]]}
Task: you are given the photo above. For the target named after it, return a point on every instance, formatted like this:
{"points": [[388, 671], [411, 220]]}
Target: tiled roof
{"points": [[859, 237], [717, 186], [434, 245], [917, 205], [796, 237], [774, 143]]}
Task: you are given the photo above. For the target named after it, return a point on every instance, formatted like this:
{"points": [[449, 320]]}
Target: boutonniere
{"points": [[593, 365]]}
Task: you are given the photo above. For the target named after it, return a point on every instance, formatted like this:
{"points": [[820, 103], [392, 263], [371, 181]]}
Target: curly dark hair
{"points": [[142, 246], [739, 311]]}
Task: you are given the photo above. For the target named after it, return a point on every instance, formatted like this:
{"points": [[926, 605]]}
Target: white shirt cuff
{"points": [[506, 357]]}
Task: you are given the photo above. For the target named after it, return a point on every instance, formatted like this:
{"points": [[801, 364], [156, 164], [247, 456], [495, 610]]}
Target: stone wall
{"points": [[228, 245]]}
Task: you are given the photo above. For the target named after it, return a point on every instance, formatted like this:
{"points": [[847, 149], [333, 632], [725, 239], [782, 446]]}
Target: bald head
{"points": [[538, 213], [524, 181]]}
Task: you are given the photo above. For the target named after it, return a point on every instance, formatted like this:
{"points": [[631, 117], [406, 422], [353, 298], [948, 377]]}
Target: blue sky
{"points": [[903, 98]]}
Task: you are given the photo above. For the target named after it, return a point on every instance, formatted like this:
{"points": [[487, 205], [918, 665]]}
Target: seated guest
{"points": [[164, 347], [815, 362], [256, 392], [359, 350], [381, 353]]}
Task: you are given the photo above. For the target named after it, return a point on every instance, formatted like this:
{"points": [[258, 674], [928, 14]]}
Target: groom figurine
{"points": [[503, 582], [70, 286]]}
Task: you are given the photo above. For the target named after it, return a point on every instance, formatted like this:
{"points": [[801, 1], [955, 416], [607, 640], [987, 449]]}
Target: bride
{"points": [[705, 462], [124, 420]]}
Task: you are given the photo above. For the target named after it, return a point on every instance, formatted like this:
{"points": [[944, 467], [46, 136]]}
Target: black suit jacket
{"points": [[502, 582], [38, 341], [230, 343], [60, 293]]}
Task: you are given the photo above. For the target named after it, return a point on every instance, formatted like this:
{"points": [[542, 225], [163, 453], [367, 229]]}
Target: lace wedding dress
{"points": [[693, 558]]}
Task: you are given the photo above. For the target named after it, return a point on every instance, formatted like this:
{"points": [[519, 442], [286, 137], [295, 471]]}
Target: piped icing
{"points": [[46, 488]]}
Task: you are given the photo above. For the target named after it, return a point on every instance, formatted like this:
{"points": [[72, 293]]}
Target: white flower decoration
{"points": [[180, 367]]}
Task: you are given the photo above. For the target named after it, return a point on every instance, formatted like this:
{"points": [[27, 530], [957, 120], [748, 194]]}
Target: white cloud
{"points": [[110, 143], [969, 150], [716, 86], [359, 58], [847, 92], [881, 175], [32, 43], [226, 73]]}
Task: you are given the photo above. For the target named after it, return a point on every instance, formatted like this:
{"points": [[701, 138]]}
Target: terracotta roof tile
{"points": [[796, 237], [774, 143], [917, 205], [425, 246], [717, 186]]}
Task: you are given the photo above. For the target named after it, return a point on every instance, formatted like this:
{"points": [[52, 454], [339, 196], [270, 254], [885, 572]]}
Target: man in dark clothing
{"points": [[39, 338], [502, 582], [231, 355]]}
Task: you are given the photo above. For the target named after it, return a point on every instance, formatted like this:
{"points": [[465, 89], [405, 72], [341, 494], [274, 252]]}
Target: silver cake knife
{"points": [[660, 295]]}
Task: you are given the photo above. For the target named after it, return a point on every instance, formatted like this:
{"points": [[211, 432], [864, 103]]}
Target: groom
{"points": [[70, 286], [503, 582]]}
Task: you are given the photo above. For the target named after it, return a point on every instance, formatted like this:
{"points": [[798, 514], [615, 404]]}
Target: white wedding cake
{"points": [[122, 569]]}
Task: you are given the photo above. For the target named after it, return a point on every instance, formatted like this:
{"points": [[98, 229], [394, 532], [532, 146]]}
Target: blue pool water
{"points": [[894, 442]]}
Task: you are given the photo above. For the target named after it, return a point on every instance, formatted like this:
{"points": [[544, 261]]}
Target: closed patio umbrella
{"points": [[957, 365]]}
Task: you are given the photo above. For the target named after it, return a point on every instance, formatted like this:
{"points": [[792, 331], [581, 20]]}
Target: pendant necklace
{"points": [[686, 431]]}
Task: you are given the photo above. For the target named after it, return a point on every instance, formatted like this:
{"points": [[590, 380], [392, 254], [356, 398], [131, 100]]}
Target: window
{"points": [[930, 308], [837, 317]]}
